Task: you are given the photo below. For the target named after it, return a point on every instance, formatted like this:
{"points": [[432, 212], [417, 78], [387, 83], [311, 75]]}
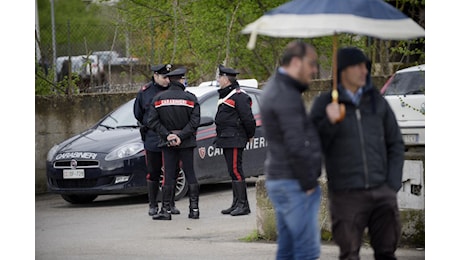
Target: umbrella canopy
{"points": [[315, 18]]}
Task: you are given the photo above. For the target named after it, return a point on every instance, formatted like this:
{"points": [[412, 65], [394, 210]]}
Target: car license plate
{"points": [[74, 174], [410, 138]]}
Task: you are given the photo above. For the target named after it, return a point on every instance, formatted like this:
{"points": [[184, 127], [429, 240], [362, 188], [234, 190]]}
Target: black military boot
{"points": [[235, 200], [174, 210], [242, 206], [165, 212], [152, 187], [194, 191]]}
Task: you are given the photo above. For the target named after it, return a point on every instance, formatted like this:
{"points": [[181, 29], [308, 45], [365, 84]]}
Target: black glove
{"points": [[143, 129]]}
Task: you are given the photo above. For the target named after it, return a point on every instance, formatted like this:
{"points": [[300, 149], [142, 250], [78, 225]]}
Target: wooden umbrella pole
{"points": [[335, 92]]}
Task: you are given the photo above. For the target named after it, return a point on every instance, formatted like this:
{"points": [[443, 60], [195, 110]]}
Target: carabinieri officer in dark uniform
{"points": [[235, 127], [151, 139], [175, 116]]}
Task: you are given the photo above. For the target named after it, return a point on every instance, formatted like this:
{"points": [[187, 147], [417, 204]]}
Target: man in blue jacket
{"points": [[364, 157], [293, 161]]}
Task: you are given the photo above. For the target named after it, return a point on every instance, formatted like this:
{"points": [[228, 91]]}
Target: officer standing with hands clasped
{"points": [[151, 139], [235, 127], [175, 116]]}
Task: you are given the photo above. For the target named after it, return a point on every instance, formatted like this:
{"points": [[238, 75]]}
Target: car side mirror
{"points": [[206, 121]]}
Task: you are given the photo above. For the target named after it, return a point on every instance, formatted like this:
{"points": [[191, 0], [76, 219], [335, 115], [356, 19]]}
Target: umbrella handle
{"points": [[335, 99]]}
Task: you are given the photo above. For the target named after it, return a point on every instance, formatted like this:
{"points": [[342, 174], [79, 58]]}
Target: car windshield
{"points": [[121, 117], [407, 83]]}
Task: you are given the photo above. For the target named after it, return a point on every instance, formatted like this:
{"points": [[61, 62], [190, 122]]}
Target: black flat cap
{"points": [[223, 71], [162, 68], [177, 73]]}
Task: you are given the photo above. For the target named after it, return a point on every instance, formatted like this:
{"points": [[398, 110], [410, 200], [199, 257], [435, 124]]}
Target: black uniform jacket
{"points": [[141, 110], [175, 111], [235, 123], [364, 150]]}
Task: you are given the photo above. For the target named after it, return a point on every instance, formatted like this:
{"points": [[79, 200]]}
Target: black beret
{"points": [[223, 71], [177, 73], [349, 56], [162, 68]]}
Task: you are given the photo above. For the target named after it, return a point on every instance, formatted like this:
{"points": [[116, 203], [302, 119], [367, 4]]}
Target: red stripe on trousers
{"points": [[235, 164], [146, 164]]}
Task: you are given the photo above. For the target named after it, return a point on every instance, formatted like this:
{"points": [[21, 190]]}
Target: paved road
{"points": [[118, 227]]}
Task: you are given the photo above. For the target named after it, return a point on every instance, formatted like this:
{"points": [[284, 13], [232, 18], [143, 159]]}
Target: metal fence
{"points": [[100, 58]]}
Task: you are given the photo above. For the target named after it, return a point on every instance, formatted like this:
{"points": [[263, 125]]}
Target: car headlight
{"points": [[52, 152], [125, 151]]}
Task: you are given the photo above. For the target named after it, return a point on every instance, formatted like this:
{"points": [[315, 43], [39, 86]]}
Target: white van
{"points": [[405, 91]]}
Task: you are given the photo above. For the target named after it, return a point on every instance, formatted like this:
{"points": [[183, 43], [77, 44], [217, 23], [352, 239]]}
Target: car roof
{"points": [[252, 83], [413, 68], [210, 86]]}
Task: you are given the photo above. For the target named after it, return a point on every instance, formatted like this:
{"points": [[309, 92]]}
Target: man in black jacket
{"points": [[364, 155], [153, 155], [235, 127], [175, 116], [293, 161]]}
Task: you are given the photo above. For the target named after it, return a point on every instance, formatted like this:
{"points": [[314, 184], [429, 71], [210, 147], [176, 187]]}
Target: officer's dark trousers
{"points": [[354, 210], [171, 160], [154, 162], [234, 159]]}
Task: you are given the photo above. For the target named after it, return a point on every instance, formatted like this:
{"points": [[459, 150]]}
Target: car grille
{"points": [[65, 164]]}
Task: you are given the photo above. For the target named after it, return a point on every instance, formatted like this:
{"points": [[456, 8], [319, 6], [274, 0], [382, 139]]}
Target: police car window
{"points": [[123, 116], [208, 108], [255, 104]]}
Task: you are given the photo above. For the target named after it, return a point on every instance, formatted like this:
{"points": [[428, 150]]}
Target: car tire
{"points": [[79, 199]]}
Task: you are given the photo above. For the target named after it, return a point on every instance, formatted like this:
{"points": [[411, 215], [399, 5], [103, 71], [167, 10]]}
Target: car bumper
{"points": [[101, 180]]}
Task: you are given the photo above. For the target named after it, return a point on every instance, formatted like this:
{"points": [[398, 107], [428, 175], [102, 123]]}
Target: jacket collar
{"points": [[291, 82], [176, 85], [225, 91]]}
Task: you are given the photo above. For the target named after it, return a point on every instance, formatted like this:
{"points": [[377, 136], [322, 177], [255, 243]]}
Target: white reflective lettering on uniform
{"points": [[256, 143]]}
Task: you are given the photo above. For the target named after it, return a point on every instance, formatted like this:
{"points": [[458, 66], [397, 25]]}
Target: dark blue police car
{"points": [[109, 158]]}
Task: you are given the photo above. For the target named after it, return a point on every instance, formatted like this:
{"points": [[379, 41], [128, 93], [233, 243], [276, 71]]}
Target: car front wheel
{"points": [[79, 199]]}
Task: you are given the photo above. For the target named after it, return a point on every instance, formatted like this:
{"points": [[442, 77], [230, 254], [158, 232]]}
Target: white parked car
{"points": [[114, 58], [405, 91], [84, 65]]}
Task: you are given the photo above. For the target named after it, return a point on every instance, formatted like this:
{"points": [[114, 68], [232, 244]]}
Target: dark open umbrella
{"points": [[316, 18]]}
